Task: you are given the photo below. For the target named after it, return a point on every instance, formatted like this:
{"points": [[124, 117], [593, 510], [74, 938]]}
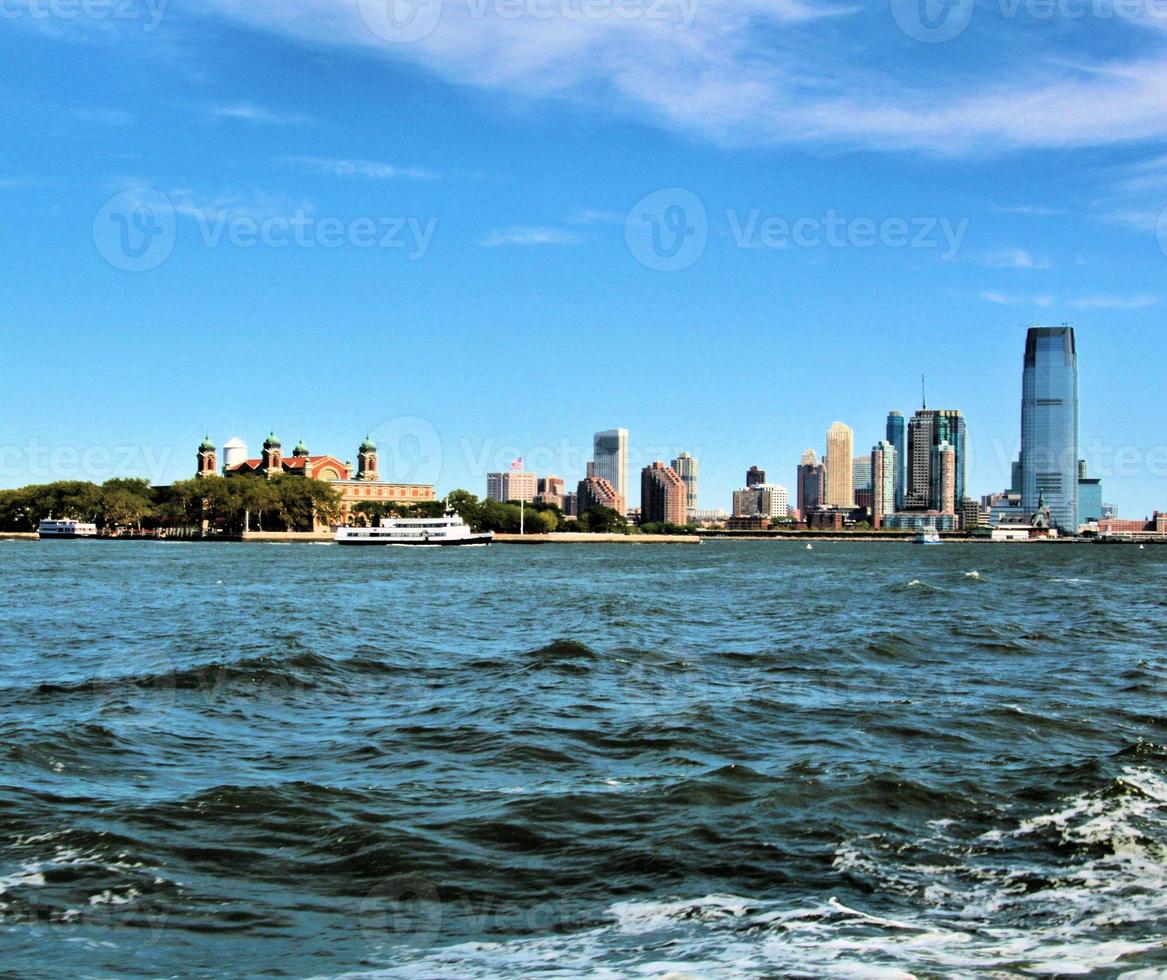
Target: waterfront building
{"points": [[946, 454], [1049, 423], [927, 431], [774, 501], [840, 489], [812, 483], [569, 505], [755, 477], [550, 491], [610, 462], [756, 523], [365, 486], [972, 516], [897, 436], [920, 520], [687, 469], [598, 491], [711, 515], [512, 485], [861, 473], [884, 470], [1109, 512], [746, 502], [663, 495], [1090, 506]]}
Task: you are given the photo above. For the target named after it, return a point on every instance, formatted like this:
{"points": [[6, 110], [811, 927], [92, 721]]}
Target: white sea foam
{"points": [[971, 916]]}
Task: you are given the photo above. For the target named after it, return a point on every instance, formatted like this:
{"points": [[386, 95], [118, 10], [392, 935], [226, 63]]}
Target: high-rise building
{"points": [[1049, 424], [927, 430], [773, 500], [755, 476], [840, 488], [550, 491], [1090, 506], [610, 461], [812, 484], [596, 491], [511, 485], [946, 453], [687, 468], [746, 502], [664, 498], [861, 473], [897, 435], [884, 468]]}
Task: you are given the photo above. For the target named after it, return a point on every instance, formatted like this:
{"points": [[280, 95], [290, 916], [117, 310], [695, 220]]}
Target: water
{"points": [[739, 759]]}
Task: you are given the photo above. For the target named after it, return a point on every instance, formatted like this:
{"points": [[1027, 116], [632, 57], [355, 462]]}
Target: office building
{"points": [[812, 484], [511, 485], [755, 477], [897, 435], [884, 468], [550, 491], [687, 469], [610, 461], [928, 430], [861, 473], [1049, 424], [1090, 506], [840, 488], [663, 495]]}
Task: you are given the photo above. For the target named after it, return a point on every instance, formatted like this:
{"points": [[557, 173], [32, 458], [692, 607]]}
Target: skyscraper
{"points": [[897, 436], [861, 473], [884, 467], [926, 431], [663, 495], [1049, 424], [812, 484], [755, 477], [946, 455], [840, 442], [610, 461], [687, 469], [511, 485]]}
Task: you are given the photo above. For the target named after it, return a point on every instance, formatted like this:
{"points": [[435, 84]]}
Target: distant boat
{"points": [[66, 529], [425, 532], [810, 547], [927, 535]]}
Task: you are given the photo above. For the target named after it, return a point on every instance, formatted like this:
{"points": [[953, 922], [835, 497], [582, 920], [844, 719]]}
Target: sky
{"points": [[483, 229]]}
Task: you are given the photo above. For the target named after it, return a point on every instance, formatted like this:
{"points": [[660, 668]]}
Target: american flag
{"points": [[517, 464]]}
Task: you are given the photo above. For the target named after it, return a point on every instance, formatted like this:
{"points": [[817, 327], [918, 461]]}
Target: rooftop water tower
{"points": [[234, 453]]}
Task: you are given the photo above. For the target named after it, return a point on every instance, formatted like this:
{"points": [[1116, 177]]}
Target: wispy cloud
{"points": [[1014, 258], [1046, 302], [783, 71], [1030, 210], [370, 169], [245, 112], [529, 236], [587, 216]]}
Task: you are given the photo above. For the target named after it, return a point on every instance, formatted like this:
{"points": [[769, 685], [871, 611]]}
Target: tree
{"points": [[126, 502]]}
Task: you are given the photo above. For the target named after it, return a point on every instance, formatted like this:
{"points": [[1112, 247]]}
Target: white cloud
{"points": [[370, 169], [1045, 302], [529, 236], [1014, 258], [778, 71], [244, 112]]}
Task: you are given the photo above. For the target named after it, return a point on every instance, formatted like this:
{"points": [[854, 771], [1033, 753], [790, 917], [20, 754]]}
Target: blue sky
{"points": [[333, 225]]}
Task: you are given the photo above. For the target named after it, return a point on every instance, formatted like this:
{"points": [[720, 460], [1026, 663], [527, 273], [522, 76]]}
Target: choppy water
{"points": [[742, 759]]}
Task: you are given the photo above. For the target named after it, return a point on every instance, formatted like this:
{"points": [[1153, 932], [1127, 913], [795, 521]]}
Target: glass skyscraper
{"points": [[1049, 424], [610, 460], [897, 435]]}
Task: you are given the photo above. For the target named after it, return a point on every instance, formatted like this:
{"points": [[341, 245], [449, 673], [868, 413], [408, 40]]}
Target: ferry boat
{"points": [[66, 529], [927, 535], [432, 532]]}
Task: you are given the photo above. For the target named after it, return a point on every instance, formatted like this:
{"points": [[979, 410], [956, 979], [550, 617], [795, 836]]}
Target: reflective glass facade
{"points": [[897, 435], [1049, 424]]}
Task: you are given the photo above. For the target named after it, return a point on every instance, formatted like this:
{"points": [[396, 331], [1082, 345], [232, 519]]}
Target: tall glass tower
{"points": [[610, 458], [897, 436], [1049, 424]]}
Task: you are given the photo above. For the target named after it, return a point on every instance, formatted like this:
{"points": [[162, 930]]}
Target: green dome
{"points": [[301, 449], [368, 446], [207, 446], [271, 442]]}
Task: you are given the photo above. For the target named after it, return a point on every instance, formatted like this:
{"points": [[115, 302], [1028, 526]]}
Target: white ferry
{"points": [[928, 535], [432, 532], [66, 529]]}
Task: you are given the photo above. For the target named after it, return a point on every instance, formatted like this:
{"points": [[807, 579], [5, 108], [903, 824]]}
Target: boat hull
{"points": [[474, 541]]}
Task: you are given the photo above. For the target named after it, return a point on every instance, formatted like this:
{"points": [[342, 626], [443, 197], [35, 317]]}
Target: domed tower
{"points": [[367, 461], [272, 456], [206, 458], [301, 451]]}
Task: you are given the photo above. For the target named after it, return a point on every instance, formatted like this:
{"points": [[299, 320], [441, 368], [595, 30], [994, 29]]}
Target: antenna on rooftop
{"points": [[924, 391]]}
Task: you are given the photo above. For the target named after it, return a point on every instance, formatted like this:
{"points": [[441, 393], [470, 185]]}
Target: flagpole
{"points": [[522, 518]]}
